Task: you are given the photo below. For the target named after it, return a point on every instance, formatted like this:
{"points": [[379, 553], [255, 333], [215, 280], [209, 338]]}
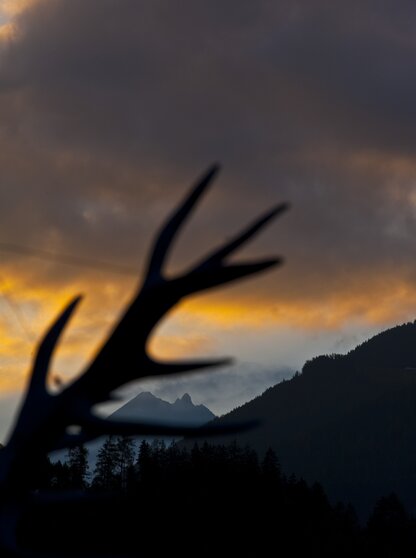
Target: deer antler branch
{"points": [[171, 228], [44, 419]]}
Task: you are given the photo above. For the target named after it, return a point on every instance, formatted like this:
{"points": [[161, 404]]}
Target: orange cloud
{"points": [[193, 328], [6, 31], [376, 301], [14, 7], [10, 9], [171, 346]]}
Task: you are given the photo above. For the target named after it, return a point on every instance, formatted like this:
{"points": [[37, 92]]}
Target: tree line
{"points": [[152, 495]]}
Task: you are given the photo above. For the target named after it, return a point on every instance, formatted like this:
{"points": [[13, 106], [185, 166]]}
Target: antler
{"points": [[45, 419]]}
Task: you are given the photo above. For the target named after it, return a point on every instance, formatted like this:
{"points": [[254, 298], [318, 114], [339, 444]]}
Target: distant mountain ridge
{"points": [[147, 407], [348, 421]]}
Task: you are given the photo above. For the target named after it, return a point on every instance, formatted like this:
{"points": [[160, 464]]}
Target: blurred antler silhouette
{"points": [[45, 419]]}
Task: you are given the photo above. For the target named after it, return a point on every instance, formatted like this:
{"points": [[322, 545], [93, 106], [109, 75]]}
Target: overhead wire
{"points": [[66, 259], [16, 310]]}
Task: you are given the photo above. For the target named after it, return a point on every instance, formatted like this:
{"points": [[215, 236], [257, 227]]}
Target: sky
{"points": [[111, 109]]}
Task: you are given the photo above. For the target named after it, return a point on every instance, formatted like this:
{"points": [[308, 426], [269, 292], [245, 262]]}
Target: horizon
{"points": [[202, 387]]}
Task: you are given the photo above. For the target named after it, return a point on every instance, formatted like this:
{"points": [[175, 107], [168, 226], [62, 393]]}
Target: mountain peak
{"points": [[146, 406], [186, 399], [145, 396]]}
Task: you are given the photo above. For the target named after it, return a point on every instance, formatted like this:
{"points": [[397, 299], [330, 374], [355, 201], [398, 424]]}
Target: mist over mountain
{"points": [[347, 421], [220, 389]]}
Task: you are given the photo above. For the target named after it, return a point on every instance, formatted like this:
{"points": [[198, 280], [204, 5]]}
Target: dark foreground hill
{"points": [[347, 421]]}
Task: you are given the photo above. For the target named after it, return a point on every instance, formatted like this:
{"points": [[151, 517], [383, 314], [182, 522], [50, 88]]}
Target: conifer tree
{"points": [[105, 473], [144, 461], [78, 466], [125, 455], [270, 466]]}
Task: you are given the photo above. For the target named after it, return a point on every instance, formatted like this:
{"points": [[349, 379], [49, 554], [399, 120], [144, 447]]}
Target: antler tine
{"points": [[35, 402], [171, 228], [165, 368], [219, 255], [95, 427], [47, 346], [202, 279]]}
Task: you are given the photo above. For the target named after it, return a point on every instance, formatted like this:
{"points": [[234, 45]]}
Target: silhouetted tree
{"points": [[60, 476], [125, 455], [389, 526], [270, 466], [105, 473], [144, 461], [77, 460]]}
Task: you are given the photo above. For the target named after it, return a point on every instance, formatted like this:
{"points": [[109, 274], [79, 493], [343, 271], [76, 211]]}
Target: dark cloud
{"points": [[109, 108]]}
